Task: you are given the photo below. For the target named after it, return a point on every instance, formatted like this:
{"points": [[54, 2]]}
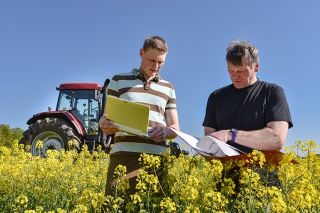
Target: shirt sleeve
{"points": [[171, 103], [278, 108]]}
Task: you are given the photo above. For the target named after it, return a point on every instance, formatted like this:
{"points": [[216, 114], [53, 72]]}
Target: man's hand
{"points": [[158, 134], [223, 135], [107, 126]]}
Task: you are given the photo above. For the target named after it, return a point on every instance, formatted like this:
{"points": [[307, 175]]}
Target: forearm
{"points": [[263, 139], [172, 122]]}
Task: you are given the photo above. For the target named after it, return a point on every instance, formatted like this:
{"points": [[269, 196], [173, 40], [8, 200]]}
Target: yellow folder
{"points": [[130, 116]]}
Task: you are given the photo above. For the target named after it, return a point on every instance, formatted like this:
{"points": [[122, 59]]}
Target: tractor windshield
{"points": [[83, 105]]}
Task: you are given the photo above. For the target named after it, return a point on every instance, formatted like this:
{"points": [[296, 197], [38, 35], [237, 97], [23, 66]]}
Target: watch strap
{"points": [[234, 133]]}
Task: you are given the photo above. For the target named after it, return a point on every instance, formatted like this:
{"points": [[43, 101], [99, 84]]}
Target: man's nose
{"points": [[156, 65]]}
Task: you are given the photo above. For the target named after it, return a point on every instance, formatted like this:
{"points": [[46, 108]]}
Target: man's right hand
{"points": [[222, 135], [107, 126]]}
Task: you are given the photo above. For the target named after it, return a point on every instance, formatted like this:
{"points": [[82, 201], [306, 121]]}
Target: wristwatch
{"points": [[234, 133]]}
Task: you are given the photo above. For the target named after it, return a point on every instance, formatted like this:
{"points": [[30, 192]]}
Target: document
{"points": [[130, 116], [208, 146]]}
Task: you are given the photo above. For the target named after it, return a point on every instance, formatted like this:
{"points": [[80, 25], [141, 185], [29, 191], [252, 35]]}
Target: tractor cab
{"points": [[83, 101]]}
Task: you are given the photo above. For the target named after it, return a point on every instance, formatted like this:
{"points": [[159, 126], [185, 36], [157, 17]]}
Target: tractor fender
{"points": [[64, 115]]}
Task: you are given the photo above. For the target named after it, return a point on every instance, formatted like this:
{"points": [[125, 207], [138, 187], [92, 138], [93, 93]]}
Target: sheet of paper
{"points": [[191, 141], [207, 145]]}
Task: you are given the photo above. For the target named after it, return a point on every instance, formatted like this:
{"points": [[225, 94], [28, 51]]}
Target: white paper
{"points": [[207, 145]]}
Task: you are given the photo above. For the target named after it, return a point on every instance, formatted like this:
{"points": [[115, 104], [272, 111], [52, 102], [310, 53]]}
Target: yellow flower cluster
{"points": [[167, 205], [150, 161], [301, 179]]}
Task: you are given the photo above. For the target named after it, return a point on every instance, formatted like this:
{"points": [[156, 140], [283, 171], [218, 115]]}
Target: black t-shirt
{"points": [[249, 108]]}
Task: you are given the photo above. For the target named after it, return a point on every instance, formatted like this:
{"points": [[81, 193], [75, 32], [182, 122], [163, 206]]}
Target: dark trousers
{"points": [[131, 162]]}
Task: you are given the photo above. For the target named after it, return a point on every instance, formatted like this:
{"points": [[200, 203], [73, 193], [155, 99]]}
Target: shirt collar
{"points": [[138, 73]]}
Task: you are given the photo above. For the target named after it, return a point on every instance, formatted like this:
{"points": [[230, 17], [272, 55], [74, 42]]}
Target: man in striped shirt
{"points": [[143, 85]]}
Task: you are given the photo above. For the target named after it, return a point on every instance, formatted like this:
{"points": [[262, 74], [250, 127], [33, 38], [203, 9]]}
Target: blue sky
{"points": [[45, 43]]}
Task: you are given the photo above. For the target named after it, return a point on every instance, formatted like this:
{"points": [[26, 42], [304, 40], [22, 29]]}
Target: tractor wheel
{"points": [[53, 132]]}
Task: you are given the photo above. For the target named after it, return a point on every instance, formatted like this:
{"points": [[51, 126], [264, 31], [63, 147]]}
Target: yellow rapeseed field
{"points": [[75, 182]]}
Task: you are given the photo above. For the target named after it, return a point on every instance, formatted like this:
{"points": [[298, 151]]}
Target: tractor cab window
{"points": [[83, 105]]}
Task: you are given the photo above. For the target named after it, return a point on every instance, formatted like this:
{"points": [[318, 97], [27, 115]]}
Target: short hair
{"points": [[155, 42], [241, 52]]}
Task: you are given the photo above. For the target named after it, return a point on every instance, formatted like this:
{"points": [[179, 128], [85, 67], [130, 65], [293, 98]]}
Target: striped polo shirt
{"points": [[157, 93]]}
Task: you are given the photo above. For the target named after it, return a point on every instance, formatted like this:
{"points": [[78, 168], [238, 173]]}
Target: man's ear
{"points": [[256, 68], [141, 52]]}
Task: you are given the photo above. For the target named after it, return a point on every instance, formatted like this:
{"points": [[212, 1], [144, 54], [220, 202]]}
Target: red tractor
{"points": [[76, 119]]}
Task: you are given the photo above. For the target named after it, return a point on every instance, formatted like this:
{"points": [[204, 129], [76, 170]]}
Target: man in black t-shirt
{"points": [[249, 113]]}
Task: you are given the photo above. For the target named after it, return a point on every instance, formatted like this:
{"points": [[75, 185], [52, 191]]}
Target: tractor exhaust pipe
{"points": [[106, 139]]}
